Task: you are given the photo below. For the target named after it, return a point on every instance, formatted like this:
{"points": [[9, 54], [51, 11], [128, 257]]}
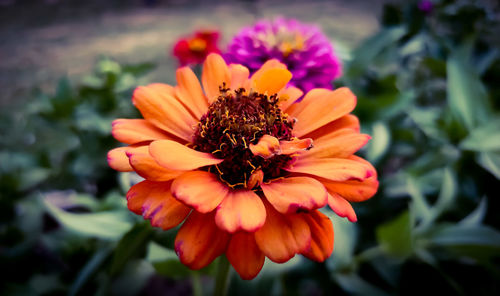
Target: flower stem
{"points": [[222, 277]]}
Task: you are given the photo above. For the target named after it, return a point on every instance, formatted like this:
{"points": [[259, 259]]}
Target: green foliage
{"points": [[427, 87]]}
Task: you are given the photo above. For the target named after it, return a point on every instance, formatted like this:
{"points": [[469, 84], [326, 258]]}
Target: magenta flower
{"points": [[303, 48]]}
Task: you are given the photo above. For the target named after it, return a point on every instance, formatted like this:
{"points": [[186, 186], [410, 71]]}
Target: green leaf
{"points": [[157, 253], [419, 206], [476, 217], [381, 139], [88, 270], [426, 119], [355, 285], [459, 235], [467, 96], [346, 236], [484, 138], [491, 162], [395, 237], [132, 243], [447, 194], [105, 225]]}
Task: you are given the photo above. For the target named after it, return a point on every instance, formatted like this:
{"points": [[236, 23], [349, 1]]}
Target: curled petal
{"points": [[176, 156], [190, 93], [270, 64], [320, 107], [348, 121], [272, 81], [241, 210], [296, 145], [215, 74], [292, 194], [244, 255], [153, 201], [200, 190], [118, 160], [132, 131], [162, 109], [322, 236], [341, 207], [199, 241], [282, 236], [267, 147], [334, 169], [147, 167]]}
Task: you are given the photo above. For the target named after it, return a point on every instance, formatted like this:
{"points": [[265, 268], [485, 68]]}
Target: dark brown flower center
{"points": [[233, 122]]}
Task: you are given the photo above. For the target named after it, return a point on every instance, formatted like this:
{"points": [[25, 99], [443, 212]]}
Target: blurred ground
{"points": [[44, 40]]}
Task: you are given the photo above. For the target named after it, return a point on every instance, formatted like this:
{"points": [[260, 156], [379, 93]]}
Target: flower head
{"points": [[245, 166], [194, 49], [306, 52]]}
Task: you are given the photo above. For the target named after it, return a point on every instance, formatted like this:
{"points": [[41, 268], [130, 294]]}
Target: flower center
{"points": [[197, 44], [233, 122]]}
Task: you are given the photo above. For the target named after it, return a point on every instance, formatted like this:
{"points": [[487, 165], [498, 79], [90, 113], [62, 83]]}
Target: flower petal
{"points": [[320, 107], [282, 236], [272, 81], [244, 255], [118, 160], [339, 144], [321, 236], [334, 169], [201, 190], [270, 64], [164, 111], [199, 241], [292, 194], [348, 121], [239, 75], [341, 207], [147, 167], [288, 96], [154, 201], [267, 147], [241, 210], [295, 145], [356, 190], [190, 93], [132, 131], [215, 73], [176, 156]]}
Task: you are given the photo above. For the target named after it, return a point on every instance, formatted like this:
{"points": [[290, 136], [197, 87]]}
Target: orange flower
{"points": [[246, 166]]}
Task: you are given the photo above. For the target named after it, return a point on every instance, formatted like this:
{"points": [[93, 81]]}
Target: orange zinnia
{"points": [[236, 158]]}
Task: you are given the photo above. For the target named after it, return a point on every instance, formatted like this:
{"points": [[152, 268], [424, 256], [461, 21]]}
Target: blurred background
{"points": [[426, 74]]}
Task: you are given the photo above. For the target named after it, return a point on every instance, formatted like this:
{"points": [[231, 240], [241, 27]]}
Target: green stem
{"points": [[195, 281], [222, 278]]}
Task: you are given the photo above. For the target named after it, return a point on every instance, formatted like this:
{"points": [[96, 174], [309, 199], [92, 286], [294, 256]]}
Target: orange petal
{"points": [[292, 194], [199, 241], [341, 207], [201, 190], [334, 169], [215, 73], [190, 93], [147, 167], [132, 131], [270, 64], [320, 107], [282, 236], [348, 121], [339, 144], [354, 190], [164, 111], [321, 236], [267, 147], [244, 255], [272, 81], [239, 75], [176, 156], [154, 201], [295, 145], [241, 210], [288, 96], [118, 160]]}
